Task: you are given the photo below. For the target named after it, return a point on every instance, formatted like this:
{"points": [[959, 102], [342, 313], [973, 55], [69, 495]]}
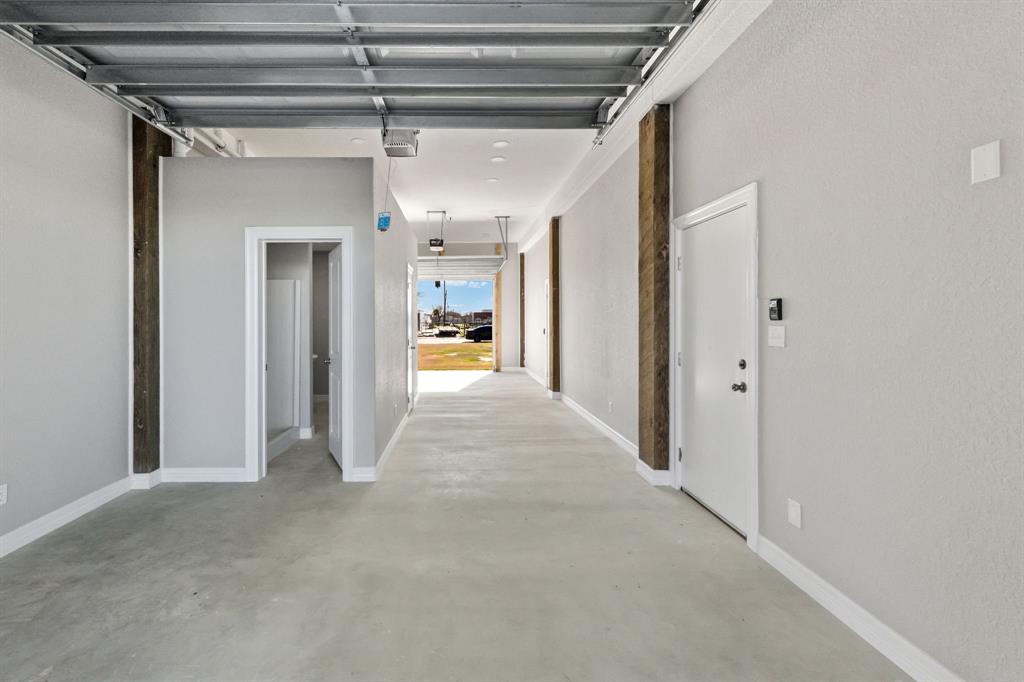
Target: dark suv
{"points": [[478, 334]]}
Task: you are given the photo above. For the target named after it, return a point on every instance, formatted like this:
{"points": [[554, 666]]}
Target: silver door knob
{"points": [[740, 387], [327, 361]]}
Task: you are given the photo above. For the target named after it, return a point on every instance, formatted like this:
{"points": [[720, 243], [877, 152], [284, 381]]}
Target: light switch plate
{"points": [[794, 513], [985, 163], [3, 493], [777, 335]]}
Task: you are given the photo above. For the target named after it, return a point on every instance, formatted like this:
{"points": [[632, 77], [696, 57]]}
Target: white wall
{"points": [[207, 204], [394, 251], [295, 261], [536, 310], [598, 292], [894, 414], [510, 308], [64, 278]]}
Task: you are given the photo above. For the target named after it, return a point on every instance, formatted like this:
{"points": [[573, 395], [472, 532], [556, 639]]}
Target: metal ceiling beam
{"points": [[422, 75], [363, 91], [116, 38], [413, 14], [369, 118]]}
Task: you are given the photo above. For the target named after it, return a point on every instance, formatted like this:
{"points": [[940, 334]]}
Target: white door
{"points": [[718, 317], [334, 354], [410, 323], [282, 355]]}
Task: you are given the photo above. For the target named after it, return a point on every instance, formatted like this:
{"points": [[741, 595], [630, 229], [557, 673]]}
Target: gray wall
{"points": [[536, 309], [321, 321], [894, 415], [207, 204], [394, 251], [295, 261], [598, 288], [64, 259]]}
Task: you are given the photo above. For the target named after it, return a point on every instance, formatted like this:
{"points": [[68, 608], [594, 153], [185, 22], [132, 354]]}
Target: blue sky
{"points": [[463, 296]]}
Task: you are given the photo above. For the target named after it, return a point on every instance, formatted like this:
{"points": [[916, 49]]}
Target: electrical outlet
{"points": [[3, 493], [795, 513], [611, 407]]}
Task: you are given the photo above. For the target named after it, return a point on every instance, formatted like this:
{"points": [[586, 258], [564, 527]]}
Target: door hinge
{"points": [[679, 358], [679, 262], [680, 455]]}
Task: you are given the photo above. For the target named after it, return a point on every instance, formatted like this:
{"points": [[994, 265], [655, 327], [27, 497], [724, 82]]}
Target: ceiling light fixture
{"points": [[357, 140], [498, 159], [500, 144], [492, 179]]}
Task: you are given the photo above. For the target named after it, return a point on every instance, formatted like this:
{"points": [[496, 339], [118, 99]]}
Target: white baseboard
{"points": [[606, 430], [360, 475], [654, 476], [306, 432], [389, 448], [282, 442], [204, 475], [554, 395], [33, 530], [536, 377], [890, 643], [146, 481]]}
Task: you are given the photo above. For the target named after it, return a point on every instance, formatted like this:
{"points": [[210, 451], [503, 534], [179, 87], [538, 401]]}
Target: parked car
{"points": [[447, 331], [478, 334]]}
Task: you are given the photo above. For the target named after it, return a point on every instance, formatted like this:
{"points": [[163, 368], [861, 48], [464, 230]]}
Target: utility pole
{"points": [[444, 320]]}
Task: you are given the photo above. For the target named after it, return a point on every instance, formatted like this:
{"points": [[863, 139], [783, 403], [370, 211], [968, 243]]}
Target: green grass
{"points": [[456, 355]]}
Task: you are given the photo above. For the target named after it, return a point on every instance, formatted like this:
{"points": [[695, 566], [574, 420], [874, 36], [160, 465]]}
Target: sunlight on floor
{"points": [[448, 381]]}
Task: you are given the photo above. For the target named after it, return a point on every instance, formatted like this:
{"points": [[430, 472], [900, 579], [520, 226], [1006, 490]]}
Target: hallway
{"points": [[506, 539]]}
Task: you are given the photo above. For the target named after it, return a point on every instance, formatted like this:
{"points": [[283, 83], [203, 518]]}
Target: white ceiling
{"points": [[451, 172]]}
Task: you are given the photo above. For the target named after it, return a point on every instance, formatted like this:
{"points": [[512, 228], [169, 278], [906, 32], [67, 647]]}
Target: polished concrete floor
{"points": [[506, 540]]}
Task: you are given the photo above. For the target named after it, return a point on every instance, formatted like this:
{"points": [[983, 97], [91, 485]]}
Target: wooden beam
{"points": [[148, 145], [496, 323], [522, 310], [654, 288], [554, 310]]}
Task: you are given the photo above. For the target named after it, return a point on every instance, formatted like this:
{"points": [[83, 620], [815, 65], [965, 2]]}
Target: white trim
{"points": [[282, 442], [146, 481], [911, 659], [390, 447], [717, 27], [554, 395], [33, 530], [163, 297], [536, 377], [657, 477], [611, 434], [256, 239], [305, 433], [131, 296], [205, 475], [745, 196], [362, 475]]}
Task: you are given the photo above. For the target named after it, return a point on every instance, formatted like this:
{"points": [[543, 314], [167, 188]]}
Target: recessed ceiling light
{"points": [[500, 144], [357, 140], [498, 159], [492, 180]]}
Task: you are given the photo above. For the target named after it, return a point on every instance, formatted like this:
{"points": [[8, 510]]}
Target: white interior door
{"points": [[282, 366], [410, 323], [718, 316], [334, 365]]}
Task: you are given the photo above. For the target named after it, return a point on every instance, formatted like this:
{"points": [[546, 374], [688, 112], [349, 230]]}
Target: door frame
{"points": [[256, 240], [412, 326], [741, 198]]}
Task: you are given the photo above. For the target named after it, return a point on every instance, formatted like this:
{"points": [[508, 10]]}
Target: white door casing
{"points": [[715, 320], [334, 356]]}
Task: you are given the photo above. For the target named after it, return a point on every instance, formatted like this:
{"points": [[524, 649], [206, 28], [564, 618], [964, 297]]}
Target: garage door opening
{"points": [[455, 333]]}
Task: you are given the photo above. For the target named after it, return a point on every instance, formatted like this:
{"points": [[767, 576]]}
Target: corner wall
{"points": [[894, 414], [206, 205], [64, 279]]}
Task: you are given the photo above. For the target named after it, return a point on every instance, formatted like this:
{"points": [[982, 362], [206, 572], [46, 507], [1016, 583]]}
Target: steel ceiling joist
{"points": [[363, 91], [369, 118], [419, 75], [549, 39], [326, 12]]}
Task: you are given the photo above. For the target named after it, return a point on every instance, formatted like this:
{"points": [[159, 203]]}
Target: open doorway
{"points": [[298, 343], [455, 336]]}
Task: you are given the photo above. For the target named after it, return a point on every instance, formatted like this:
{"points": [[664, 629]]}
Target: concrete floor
{"points": [[507, 540]]}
